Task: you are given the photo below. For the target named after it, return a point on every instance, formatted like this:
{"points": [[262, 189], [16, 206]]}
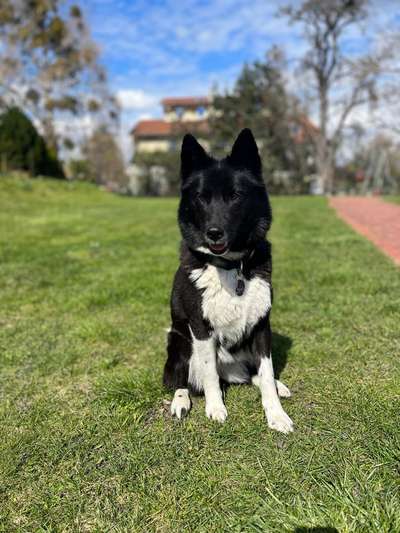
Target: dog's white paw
{"points": [[279, 420], [283, 391], [180, 405], [216, 411]]}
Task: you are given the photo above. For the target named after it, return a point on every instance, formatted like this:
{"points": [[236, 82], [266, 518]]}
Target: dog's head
{"points": [[224, 208]]}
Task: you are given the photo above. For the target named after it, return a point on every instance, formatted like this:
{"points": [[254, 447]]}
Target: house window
{"points": [[179, 111]]}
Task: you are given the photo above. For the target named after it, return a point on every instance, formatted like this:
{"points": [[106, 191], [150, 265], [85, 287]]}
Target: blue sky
{"points": [[159, 48]]}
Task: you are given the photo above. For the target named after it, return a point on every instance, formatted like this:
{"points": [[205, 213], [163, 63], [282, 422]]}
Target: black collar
{"points": [[221, 262]]}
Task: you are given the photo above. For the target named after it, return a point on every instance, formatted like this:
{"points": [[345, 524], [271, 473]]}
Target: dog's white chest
{"points": [[231, 315]]}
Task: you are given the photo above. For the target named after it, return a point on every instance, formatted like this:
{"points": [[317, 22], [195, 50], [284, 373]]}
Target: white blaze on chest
{"points": [[229, 314]]}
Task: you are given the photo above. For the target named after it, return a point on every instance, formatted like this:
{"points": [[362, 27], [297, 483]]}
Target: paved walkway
{"points": [[377, 220]]}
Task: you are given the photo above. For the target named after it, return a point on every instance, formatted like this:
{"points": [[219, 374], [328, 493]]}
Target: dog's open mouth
{"points": [[218, 248]]}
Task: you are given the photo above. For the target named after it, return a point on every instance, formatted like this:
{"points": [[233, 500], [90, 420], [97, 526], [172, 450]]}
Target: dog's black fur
{"points": [[222, 292], [229, 194]]}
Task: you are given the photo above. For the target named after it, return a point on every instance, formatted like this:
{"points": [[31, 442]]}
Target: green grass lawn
{"points": [[394, 199], [87, 443]]}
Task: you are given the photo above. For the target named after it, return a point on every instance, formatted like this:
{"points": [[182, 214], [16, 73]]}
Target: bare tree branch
{"points": [[340, 84]]}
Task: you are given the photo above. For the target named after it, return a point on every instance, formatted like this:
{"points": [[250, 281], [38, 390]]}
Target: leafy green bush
{"points": [[79, 169], [169, 161], [22, 148]]}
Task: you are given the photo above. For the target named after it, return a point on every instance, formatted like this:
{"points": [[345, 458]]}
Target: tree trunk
{"points": [[328, 177], [325, 164], [325, 157]]}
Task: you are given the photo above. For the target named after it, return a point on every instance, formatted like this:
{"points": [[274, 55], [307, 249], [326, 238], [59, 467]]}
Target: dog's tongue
{"points": [[217, 248]]}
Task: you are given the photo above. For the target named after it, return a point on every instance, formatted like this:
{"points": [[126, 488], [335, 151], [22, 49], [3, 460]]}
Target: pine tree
{"points": [[260, 101], [22, 148]]}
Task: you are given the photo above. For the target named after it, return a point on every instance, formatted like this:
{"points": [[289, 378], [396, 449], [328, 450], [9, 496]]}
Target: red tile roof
{"points": [[186, 101], [152, 128], [161, 128]]}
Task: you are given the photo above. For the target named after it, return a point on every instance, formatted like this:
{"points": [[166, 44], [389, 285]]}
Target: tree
{"points": [[22, 148], [49, 64], [378, 165], [259, 100], [337, 82], [387, 119], [169, 161], [104, 159]]}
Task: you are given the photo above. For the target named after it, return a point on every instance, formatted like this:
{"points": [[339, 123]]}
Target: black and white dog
{"points": [[222, 295]]}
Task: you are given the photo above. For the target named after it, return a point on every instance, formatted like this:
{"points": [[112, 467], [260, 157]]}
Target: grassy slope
{"points": [[87, 444], [394, 199]]}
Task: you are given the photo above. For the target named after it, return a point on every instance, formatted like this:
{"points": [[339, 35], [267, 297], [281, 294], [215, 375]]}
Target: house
{"points": [[180, 115], [192, 114]]}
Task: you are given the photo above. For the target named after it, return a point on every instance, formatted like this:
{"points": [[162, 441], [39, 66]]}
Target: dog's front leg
{"points": [[203, 374], [276, 417]]}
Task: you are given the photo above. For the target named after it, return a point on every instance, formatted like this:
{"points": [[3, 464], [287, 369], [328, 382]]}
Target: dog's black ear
{"points": [[245, 153], [193, 156]]}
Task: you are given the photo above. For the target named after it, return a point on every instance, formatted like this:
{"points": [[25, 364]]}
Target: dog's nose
{"points": [[214, 234]]}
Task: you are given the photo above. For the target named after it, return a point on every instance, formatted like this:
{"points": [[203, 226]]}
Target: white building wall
{"points": [[152, 145]]}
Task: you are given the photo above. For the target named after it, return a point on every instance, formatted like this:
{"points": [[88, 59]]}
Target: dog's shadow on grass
{"points": [[318, 529], [281, 345]]}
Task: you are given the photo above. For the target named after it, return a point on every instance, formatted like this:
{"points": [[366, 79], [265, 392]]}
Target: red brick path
{"points": [[377, 220]]}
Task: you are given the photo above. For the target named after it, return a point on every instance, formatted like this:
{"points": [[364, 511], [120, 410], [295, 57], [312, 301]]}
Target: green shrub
{"points": [[22, 148], [169, 161]]}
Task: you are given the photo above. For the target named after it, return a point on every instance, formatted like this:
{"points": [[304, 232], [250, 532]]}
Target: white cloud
{"points": [[135, 99]]}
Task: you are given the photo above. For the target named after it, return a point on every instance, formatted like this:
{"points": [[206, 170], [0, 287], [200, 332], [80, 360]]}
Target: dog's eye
{"points": [[236, 196], [203, 198], [232, 197]]}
